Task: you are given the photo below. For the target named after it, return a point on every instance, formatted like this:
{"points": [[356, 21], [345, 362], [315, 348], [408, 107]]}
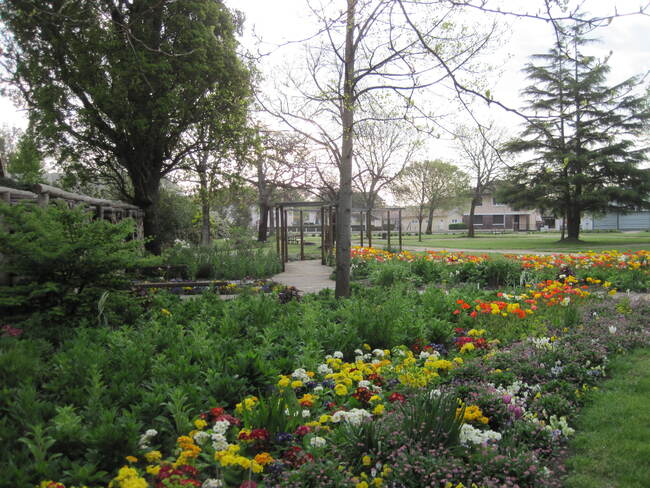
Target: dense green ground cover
{"points": [[86, 378], [611, 446], [530, 242]]}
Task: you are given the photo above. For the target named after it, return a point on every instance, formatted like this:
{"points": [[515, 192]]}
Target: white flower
{"points": [[424, 355], [306, 414], [146, 437], [469, 434], [364, 384], [221, 427], [212, 483], [566, 301], [201, 436], [379, 353], [338, 355], [301, 374], [324, 369], [317, 442], [219, 442], [318, 388], [358, 352], [354, 416], [612, 329]]}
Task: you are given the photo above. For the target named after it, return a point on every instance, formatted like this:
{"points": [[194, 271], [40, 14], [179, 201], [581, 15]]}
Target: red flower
{"points": [[396, 397], [303, 430], [473, 314], [248, 484], [456, 312]]}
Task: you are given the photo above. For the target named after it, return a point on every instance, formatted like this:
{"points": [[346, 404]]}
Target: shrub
{"points": [[457, 226], [63, 261]]}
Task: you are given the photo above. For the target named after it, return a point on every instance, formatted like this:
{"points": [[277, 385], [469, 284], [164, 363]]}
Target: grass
{"points": [[611, 448], [528, 242]]}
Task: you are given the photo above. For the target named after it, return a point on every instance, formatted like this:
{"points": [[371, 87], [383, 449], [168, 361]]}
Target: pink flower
{"points": [[507, 399], [9, 331], [248, 484]]}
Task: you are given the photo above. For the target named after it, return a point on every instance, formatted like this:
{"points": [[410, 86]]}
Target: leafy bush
{"points": [[233, 259], [63, 261], [457, 226]]}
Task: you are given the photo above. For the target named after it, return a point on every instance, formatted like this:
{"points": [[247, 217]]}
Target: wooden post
{"points": [[302, 238], [286, 237], [361, 227], [369, 218], [43, 199], [276, 228], [399, 216], [388, 235], [322, 235]]}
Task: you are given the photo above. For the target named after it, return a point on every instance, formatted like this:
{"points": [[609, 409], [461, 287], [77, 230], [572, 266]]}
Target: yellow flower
{"points": [[284, 381], [612, 291], [378, 410], [324, 419], [165, 312], [132, 459], [153, 456], [467, 347], [378, 482], [366, 460], [200, 424], [340, 390], [154, 470], [296, 384], [264, 458], [361, 484]]}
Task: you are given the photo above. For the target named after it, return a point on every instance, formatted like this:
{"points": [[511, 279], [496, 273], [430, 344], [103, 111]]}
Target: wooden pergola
{"points": [[104, 209], [327, 226]]}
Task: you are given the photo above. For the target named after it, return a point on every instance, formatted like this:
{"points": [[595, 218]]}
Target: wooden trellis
{"points": [[327, 227]]}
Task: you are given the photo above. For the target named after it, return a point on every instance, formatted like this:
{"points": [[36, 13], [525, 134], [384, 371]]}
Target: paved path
{"points": [[307, 276]]}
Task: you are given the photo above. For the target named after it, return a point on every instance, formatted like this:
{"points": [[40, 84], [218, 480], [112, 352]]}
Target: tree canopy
{"points": [[583, 137], [118, 84]]}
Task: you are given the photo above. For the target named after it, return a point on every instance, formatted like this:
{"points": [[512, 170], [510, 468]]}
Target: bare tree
{"points": [[480, 149], [430, 185], [383, 149], [366, 49], [279, 169]]}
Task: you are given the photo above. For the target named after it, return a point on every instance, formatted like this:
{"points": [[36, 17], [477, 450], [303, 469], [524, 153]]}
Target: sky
{"points": [[279, 21], [628, 39]]}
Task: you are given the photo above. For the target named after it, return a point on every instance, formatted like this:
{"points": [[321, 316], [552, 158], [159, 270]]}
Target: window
{"points": [[478, 220], [497, 219]]}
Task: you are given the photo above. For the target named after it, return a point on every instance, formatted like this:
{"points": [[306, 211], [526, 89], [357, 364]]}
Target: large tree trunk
{"points": [[263, 228], [429, 230], [470, 224], [146, 195], [573, 223], [344, 210], [204, 193]]}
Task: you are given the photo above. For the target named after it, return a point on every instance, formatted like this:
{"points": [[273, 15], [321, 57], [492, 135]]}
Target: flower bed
{"points": [[475, 412]]}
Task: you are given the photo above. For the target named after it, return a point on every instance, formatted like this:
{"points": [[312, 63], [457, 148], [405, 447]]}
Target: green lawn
{"points": [[611, 448], [523, 242], [533, 242]]}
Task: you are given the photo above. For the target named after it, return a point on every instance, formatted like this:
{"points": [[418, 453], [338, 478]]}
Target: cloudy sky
{"points": [[277, 21]]}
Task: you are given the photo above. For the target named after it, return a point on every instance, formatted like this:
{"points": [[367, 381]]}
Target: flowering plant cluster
{"points": [[604, 259], [351, 420]]}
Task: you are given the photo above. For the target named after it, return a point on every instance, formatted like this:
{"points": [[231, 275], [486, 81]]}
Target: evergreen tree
{"points": [[582, 137], [25, 163]]}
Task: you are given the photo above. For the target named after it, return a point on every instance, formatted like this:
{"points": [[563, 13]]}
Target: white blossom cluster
{"points": [[301, 374], [354, 416], [146, 438], [212, 483], [558, 427], [317, 441], [324, 369], [542, 343], [472, 435], [218, 436]]}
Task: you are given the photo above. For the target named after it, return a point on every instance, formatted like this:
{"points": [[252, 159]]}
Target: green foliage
{"points": [[63, 261], [458, 226], [26, 162], [586, 156], [128, 106], [232, 259], [431, 419]]}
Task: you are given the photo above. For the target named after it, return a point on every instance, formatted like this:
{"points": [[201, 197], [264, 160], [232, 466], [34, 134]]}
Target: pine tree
{"points": [[582, 137]]}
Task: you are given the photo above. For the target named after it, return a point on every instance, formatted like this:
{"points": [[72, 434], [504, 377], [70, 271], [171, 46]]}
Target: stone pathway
{"points": [[307, 276]]}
